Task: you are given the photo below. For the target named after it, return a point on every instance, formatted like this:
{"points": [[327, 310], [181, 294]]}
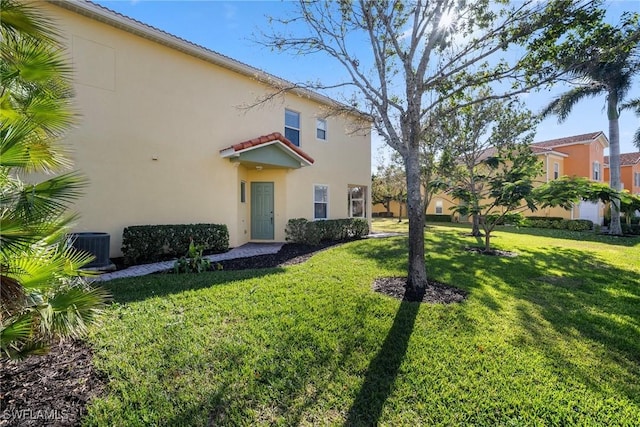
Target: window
{"points": [[357, 201], [556, 170], [636, 179], [439, 206], [596, 171], [320, 201], [321, 129], [292, 126], [243, 192]]}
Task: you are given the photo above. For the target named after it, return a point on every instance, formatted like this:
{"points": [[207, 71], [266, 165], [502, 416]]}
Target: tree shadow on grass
{"points": [[158, 285], [587, 236], [383, 369], [581, 297]]}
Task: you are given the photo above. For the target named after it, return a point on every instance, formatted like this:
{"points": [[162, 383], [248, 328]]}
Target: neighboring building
{"points": [[578, 155], [163, 140], [629, 171]]}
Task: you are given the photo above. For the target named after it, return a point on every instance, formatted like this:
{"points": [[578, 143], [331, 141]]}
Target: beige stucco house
{"points": [[163, 139]]}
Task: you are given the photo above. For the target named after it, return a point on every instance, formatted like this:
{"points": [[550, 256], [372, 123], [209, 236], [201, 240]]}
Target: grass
{"points": [[551, 337]]}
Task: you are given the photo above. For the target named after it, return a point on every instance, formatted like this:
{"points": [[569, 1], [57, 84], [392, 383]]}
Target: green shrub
{"points": [[151, 243], [580, 225], [438, 218], [301, 230], [558, 223], [193, 262], [631, 229], [547, 218]]}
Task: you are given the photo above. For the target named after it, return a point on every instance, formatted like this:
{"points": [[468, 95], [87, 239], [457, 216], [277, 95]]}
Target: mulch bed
{"points": [[290, 254], [491, 252], [434, 292], [49, 390]]}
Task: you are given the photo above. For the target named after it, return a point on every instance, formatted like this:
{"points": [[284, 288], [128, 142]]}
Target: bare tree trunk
{"points": [[475, 228], [614, 161], [487, 241], [417, 272]]}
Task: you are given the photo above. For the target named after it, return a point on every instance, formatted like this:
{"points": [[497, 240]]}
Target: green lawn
{"points": [[551, 337]]}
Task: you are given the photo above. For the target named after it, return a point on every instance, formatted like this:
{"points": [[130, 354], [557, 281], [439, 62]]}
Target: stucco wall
{"points": [[153, 121]]}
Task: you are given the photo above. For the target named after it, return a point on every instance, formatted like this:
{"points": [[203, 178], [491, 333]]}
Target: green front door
{"points": [[262, 210]]}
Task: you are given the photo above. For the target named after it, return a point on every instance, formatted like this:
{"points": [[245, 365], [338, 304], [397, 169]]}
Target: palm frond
{"points": [[74, 308], [563, 104], [49, 198], [25, 20]]}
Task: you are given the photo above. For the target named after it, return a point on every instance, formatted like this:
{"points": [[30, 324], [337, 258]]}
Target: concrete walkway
{"points": [[244, 251]]}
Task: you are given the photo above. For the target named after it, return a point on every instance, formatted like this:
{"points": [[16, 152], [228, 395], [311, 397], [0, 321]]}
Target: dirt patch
{"points": [[434, 292], [49, 390], [491, 252]]}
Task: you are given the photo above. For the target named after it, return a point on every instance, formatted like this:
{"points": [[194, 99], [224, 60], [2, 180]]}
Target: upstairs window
{"points": [[321, 129], [357, 201], [596, 171], [292, 126], [439, 206], [556, 170], [320, 201]]}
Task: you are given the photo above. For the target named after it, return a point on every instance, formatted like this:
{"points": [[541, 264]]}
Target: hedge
{"points": [[631, 229], [301, 230], [437, 218], [559, 223], [143, 244]]}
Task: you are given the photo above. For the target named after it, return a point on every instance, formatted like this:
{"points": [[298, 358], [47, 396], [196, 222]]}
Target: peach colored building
{"points": [[578, 155], [629, 171], [163, 138]]}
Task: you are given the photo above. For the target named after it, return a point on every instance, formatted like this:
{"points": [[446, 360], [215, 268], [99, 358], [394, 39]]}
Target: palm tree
{"points": [[605, 65], [42, 294]]}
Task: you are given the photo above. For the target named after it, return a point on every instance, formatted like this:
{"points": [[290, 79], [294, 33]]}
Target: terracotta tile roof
{"points": [[567, 140], [265, 139], [626, 159]]}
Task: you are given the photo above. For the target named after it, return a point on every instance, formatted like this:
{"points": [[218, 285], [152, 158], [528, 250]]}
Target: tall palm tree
{"points": [[605, 65], [42, 295]]}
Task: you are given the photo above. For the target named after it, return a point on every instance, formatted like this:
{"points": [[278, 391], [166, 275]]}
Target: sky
{"points": [[233, 28]]}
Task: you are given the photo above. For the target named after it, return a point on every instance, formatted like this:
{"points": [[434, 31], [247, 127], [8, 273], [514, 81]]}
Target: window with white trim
{"points": [[556, 170], [357, 201], [292, 126], [636, 179], [439, 206], [596, 171], [243, 192], [321, 129], [320, 201]]}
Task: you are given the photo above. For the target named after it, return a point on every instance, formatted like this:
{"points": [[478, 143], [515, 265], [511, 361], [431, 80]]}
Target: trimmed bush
{"points": [[580, 225], [143, 244], [437, 218], [547, 218], [631, 229], [558, 223], [301, 230]]}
